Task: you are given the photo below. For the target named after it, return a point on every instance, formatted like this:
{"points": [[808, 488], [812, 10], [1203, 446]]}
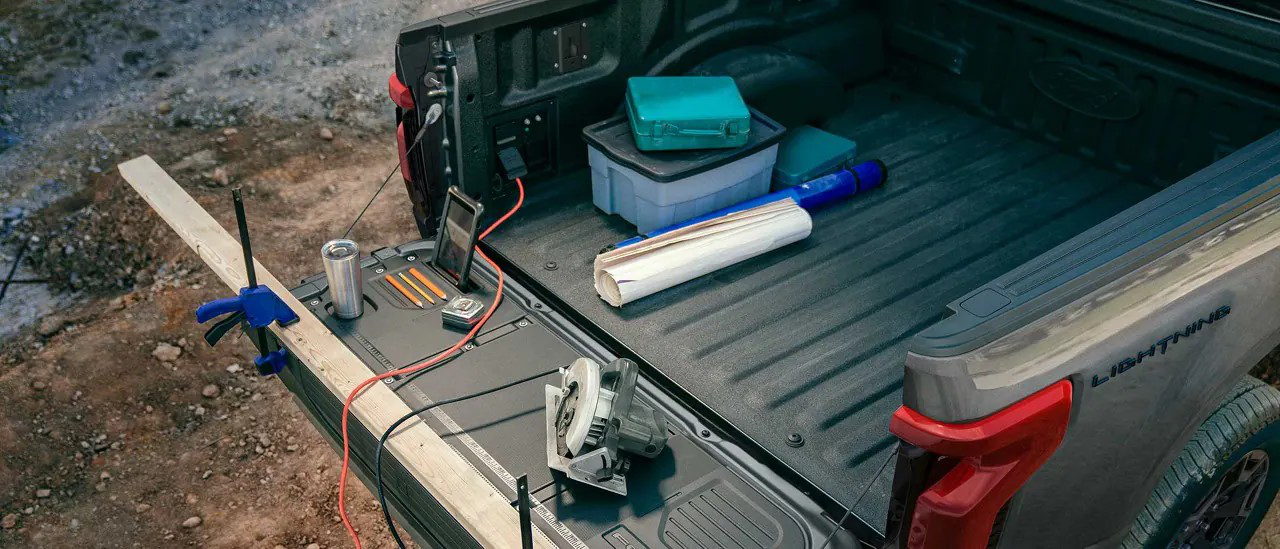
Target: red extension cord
{"points": [[346, 406]]}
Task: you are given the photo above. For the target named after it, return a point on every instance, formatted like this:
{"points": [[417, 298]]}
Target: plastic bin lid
{"points": [[613, 138]]}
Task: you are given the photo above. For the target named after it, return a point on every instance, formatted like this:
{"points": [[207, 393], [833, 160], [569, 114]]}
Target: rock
{"points": [[141, 508], [43, 493], [101, 487], [220, 177], [9, 521], [192, 522], [191, 499], [210, 391], [205, 159], [164, 107], [38, 385], [234, 368], [313, 546], [162, 70], [228, 132], [50, 325], [326, 134], [165, 352], [75, 524]]}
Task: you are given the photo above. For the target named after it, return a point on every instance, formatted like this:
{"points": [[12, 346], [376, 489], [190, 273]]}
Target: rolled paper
{"points": [[623, 275]]}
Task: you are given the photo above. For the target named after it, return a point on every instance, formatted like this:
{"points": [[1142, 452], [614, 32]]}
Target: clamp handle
{"points": [[217, 308], [215, 333]]}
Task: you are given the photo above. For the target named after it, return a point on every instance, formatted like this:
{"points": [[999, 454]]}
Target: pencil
{"points": [[416, 288], [427, 282], [404, 291]]}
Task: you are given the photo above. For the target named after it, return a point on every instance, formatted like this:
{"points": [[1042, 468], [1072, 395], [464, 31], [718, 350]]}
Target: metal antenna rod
{"points": [[243, 225], [526, 527]]}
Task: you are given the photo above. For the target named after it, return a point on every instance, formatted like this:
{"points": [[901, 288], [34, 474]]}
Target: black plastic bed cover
{"points": [[802, 349]]}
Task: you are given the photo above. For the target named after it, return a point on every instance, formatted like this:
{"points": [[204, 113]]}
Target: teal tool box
{"points": [[671, 113], [807, 153]]}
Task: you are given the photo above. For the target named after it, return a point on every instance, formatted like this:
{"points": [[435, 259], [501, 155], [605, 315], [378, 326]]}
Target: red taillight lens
{"points": [[994, 457], [400, 94], [404, 152]]}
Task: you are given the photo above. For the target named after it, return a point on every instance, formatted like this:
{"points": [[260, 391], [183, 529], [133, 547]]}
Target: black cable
{"points": [[17, 260], [849, 511], [382, 442], [416, 139]]}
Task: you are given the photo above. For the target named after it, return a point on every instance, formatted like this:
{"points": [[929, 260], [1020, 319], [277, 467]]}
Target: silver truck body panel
{"points": [[1179, 330]]}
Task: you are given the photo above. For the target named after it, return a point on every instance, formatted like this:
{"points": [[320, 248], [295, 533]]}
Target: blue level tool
{"points": [[256, 305], [809, 195]]}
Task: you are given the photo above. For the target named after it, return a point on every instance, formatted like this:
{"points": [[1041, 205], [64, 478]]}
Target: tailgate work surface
{"points": [[810, 339]]}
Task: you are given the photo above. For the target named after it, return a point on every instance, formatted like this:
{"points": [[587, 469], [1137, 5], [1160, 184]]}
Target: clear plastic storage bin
{"points": [[659, 188]]}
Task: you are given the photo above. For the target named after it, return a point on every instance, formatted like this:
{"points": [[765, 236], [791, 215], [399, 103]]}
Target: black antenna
{"points": [[242, 223], [526, 527]]}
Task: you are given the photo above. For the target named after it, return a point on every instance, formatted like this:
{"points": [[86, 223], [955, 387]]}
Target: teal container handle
{"points": [[672, 129]]}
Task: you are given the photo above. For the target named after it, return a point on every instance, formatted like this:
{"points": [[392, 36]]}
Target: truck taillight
{"points": [[400, 93], [404, 152], [965, 473], [402, 96]]}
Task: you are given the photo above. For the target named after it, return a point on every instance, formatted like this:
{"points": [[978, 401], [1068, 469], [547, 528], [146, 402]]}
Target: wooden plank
{"points": [[468, 496]]}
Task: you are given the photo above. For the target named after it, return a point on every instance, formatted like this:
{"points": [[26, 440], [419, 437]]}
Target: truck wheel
{"points": [[1217, 491]]}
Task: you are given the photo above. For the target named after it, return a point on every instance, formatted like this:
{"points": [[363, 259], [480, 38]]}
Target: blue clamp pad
{"points": [[260, 306], [272, 363]]}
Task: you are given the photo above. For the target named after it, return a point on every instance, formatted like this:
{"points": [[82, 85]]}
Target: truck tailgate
{"points": [[810, 339]]}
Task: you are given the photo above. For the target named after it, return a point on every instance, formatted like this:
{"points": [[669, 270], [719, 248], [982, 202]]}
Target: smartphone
{"points": [[456, 240]]}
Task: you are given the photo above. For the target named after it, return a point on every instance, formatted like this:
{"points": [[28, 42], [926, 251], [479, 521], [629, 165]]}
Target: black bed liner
{"points": [[810, 339]]}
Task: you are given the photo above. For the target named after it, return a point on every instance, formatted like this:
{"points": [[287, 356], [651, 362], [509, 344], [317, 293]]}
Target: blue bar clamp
{"points": [[257, 305]]}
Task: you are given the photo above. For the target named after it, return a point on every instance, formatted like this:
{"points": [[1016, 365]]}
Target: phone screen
{"points": [[456, 242]]}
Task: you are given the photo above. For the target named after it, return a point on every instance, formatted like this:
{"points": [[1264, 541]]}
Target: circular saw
{"points": [[595, 424]]}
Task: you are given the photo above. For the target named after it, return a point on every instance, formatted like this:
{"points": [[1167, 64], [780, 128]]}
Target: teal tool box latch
{"points": [[686, 112]]}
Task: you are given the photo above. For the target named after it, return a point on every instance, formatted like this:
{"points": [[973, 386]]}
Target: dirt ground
{"points": [[119, 427], [118, 424]]}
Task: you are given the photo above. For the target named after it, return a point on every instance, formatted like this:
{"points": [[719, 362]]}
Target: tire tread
{"points": [[1250, 407]]}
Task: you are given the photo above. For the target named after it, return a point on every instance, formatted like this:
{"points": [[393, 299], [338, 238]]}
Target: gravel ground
{"points": [[86, 83], [119, 427]]}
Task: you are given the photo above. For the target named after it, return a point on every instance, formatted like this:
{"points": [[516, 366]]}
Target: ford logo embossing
{"points": [[1084, 89]]}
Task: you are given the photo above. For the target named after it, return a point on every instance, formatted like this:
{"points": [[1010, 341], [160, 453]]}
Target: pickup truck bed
{"points": [[810, 339]]}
